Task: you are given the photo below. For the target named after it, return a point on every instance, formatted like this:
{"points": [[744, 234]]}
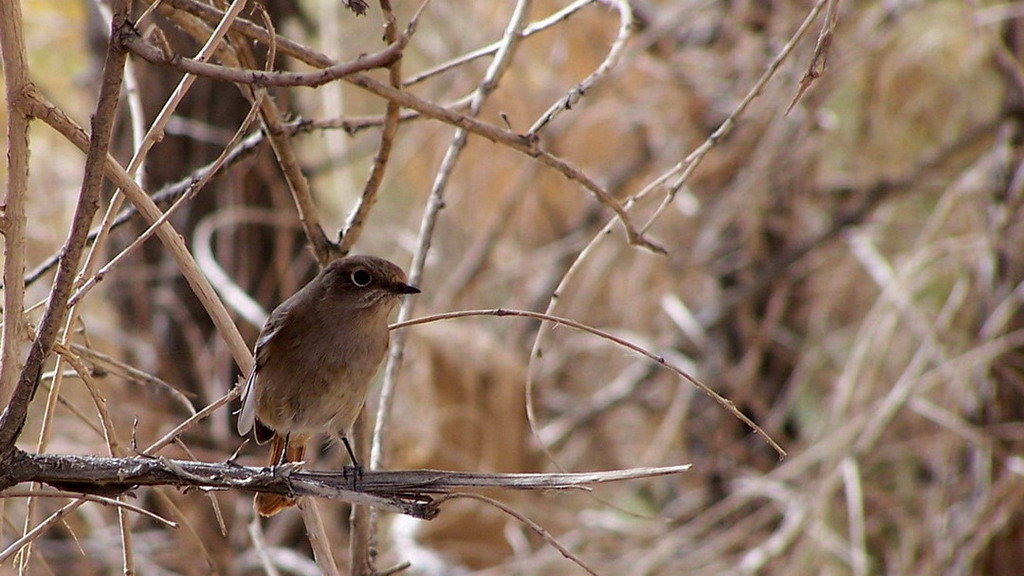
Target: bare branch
{"points": [[821, 51], [627, 25], [13, 222], [527, 144], [193, 189], [280, 142], [213, 15], [13, 418], [725, 403], [348, 236], [404, 491], [680, 174], [435, 202], [540, 530], [317, 535], [519, 142], [258, 78], [17, 493], [530, 30], [62, 123], [362, 521]]}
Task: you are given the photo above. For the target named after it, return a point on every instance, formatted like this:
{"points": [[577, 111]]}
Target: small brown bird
{"points": [[315, 359]]}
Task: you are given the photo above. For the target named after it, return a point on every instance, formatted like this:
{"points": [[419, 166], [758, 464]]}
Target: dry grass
{"points": [[848, 274]]}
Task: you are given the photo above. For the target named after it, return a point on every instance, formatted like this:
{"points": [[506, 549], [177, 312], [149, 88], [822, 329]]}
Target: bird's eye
{"points": [[361, 278]]}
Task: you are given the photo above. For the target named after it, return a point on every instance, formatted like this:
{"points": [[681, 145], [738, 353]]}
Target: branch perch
{"points": [[405, 491]]}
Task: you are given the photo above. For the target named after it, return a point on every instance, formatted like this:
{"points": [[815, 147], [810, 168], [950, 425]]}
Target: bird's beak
{"points": [[401, 288]]}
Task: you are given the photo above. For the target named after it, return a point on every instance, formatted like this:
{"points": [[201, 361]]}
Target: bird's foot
{"points": [[354, 472]]}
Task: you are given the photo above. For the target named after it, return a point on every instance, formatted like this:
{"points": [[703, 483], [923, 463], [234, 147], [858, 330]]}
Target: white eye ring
{"points": [[360, 278]]}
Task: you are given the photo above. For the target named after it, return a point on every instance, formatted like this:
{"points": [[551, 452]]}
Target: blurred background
{"points": [[848, 273]]}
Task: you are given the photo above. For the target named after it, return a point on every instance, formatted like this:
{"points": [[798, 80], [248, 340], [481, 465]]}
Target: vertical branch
{"points": [[392, 114], [64, 338], [488, 84], [281, 144], [332, 95], [13, 418], [57, 312], [510, 39], [363, 521], [317, 535], [12, 47]]}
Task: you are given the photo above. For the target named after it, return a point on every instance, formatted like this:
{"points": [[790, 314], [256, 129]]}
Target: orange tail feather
{"points": [[269, 504]]}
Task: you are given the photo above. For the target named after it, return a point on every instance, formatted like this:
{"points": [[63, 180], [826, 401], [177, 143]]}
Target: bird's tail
{"points": [[281, 451]]}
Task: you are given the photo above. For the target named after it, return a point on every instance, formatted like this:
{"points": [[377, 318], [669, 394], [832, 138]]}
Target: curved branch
{"points": [[725, 403], [627, 23]]}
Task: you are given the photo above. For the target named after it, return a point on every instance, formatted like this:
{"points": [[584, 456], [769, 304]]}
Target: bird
{"points": [[315, 359]]}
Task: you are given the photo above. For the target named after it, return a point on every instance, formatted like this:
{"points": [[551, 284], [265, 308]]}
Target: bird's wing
{"points": [[247, 414]]}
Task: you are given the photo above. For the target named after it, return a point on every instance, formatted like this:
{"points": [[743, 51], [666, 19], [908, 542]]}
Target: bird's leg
{"points": [[284, 451], [282, 459], [356, 468]]}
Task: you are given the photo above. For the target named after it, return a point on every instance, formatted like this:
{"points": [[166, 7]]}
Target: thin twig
{"points": [[687, 166], [192, 421], [109, 433], [155, 133], [317, 537], [531, 29], [175, 244], [822, 49], [13, 418], [194, 189], [252, 144], [363, 521], [627, 24], [521, 143], [39, 529], [349, 235], [132, 374], [540, 530], [298, 184], [518, 142], [29, 493], [435, 202], [259, 543], [249, 29], [682, 171], [262, 78], [113, 447], [725, 403]]}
